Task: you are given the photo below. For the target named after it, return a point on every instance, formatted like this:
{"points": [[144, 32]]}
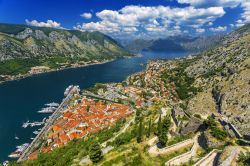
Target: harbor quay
{"points": [[58, 112]]}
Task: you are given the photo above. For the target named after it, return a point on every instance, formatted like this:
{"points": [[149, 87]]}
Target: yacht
{"points": [[26, 124], [52, 104], [5, 163], [36, 132], [47, 110], [20, 149], [67, 90]]}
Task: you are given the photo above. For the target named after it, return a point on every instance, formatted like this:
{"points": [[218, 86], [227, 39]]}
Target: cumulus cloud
{"points": [[86, 15], [246, 13], [244, 4], [200, 30], [155, 20], [49, 23], [210, 24], [218, 29]]}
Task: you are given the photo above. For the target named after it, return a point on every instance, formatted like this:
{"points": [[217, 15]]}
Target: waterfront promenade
{"points": [[59, 111]]}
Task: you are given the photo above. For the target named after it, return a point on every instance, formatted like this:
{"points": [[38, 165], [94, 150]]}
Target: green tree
{"points": [[88, 108], [140, 132], [210, 122], [215, 130], [138, 115], [163, 138], [149, 128], [159, 126], [244, 158], [95, 152]]}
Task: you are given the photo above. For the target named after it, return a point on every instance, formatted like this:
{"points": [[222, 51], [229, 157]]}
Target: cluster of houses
{"points": [[85, 117], [117, 91]]}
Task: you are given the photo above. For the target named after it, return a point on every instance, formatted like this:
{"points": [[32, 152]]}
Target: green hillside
{"points": [[23, 47]]}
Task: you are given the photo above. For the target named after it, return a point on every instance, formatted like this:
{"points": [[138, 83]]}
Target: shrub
{"points": [[244, 158], [197, 116]]}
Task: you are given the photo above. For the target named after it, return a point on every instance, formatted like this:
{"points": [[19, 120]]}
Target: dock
{"points": [[58, 112]]}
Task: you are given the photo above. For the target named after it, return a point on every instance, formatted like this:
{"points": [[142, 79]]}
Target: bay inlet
{"points": [[21, 99]]}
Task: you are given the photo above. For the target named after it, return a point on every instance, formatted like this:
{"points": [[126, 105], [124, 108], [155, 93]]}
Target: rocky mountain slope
{"points": [[22, 47], [176, 43], [216, 81], [224, 72]]}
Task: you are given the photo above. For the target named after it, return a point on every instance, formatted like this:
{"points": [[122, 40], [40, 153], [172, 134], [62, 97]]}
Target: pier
{"points": [[58, 112]]}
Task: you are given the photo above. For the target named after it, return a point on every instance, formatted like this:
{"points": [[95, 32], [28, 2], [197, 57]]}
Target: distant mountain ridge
{"points": [[52, 47], [175, 43]]}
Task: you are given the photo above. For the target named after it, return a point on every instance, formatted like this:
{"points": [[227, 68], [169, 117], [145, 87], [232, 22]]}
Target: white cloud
{"points": [[200, 30], [244, 4], [211, 3], [210, 24], [246, 13], [49, 23], [86, 15], [155, 20], [232, 25], [218, 29]]}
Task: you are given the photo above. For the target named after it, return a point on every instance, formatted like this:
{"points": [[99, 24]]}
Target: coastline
{"points": [[73, 66], [136, 56]]}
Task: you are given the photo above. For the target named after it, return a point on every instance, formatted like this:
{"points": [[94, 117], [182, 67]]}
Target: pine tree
{"points": [[149, 128], [163, 138], [159, 126], [140, 132], [95, 152]]}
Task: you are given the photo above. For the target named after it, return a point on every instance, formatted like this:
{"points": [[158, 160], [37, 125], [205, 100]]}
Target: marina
{"points": [[40, 134]]}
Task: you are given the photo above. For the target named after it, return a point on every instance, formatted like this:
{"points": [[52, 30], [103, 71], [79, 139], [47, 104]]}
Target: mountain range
{"points": [[23, 47], [174, 43]]}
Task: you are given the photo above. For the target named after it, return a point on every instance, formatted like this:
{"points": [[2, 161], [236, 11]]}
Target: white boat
{"points": [[36, 124], [47, 110], [26, 124], [14, 155], [44, 120], [36, 132], [16, 138], [19, 151], [32, 138], [21, 146], [52, 104], [67, 90], [5, 163], [32, 124]]}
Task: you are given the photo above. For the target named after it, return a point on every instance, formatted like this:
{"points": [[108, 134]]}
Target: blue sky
{"points": [[130, 18]]}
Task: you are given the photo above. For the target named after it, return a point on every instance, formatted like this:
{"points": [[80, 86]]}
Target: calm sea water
{"points": [[20, 100]]}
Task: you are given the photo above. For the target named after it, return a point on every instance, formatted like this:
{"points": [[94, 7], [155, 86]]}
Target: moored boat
{"points": [[20, 149], [53, 104]]}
